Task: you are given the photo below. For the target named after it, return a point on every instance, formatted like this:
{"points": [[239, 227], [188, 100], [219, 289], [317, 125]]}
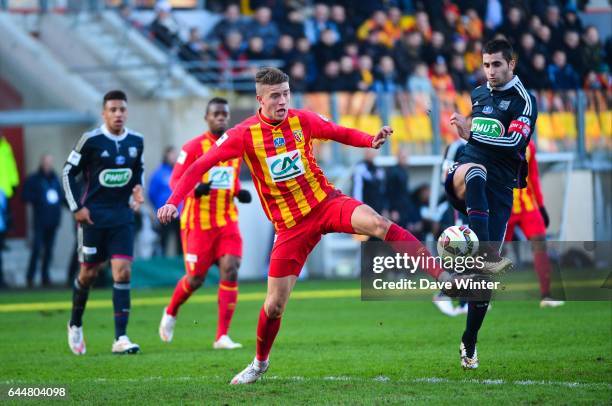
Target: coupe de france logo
{"points": [[222, 177], [285, 166]]}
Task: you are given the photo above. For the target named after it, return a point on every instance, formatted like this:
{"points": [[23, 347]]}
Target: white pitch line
{"points": [[344, 378]]}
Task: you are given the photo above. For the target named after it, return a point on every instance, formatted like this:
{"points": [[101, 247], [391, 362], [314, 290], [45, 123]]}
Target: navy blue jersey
{"points": [[503, 121], [111, 165]]}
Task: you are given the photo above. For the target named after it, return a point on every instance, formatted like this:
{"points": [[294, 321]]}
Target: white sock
{"points": [[260, 364]]}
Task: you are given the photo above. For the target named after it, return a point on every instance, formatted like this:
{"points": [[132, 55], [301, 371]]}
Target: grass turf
{"points": [[332, 348]]}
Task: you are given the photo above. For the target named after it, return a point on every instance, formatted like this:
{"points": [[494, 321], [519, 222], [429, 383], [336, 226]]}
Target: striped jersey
{"points": [[280, 157], [217, 209], [529, 198]]}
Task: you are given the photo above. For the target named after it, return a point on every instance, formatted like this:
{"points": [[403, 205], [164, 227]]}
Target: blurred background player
{"points": [[209, 227], [43, 191], [529, 213], [110, 157], [491, 165], [296, 196]]}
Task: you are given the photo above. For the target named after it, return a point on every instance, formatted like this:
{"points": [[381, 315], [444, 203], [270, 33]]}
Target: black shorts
{"points": [[499, 198], [96, 245]]}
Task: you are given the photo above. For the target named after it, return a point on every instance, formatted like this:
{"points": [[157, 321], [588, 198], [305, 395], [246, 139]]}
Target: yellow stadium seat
{"points": [[605, 118], [419, 127], [400, 130], [592, 130], [544, 126], [369, 123], [348, 121]]}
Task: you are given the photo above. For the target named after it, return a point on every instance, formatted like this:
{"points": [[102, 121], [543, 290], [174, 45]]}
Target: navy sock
{"points": [[79, 300], [476, 314], [476, 202], [121, 306]]}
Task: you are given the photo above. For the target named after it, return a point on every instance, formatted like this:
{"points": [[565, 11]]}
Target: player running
{"points": [[111, 161], [529, 213], [209, 228], [276, 144], [491, 165]]}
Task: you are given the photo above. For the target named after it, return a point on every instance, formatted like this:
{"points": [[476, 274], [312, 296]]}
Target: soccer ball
{"points": [[457, 241]]}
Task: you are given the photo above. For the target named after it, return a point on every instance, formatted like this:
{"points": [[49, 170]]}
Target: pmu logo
{"points": [[285, 166], [488, 127], [222, 177], [115, 177]]}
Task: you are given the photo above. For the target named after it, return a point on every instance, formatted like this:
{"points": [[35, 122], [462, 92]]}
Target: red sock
{"points": [[267, 329], [181, 294], [542, 266], [409, 244], [228, 296]]}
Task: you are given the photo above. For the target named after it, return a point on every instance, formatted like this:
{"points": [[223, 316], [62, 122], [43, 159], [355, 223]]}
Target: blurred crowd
{"points": [[413, 45]]}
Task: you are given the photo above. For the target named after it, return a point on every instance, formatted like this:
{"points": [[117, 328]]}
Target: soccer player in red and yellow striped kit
{"points": [[529, 213], [276, 144], [209, 227]]}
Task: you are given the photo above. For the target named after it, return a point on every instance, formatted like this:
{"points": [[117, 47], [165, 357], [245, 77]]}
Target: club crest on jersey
{"points": [[222, 177], [487, 109], [132, 151], [120, 160], [504, 104], [298, 135], [285, 166], [115, 177], [489, 127]]}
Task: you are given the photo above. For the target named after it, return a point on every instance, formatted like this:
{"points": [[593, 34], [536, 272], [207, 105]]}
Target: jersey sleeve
{"points": [[237, 185], [185, 158], [72, 168], [229, 146], [322, 128]]}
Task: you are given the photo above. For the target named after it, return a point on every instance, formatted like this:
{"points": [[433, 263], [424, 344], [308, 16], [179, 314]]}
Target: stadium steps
{"points": [[109, 54]]}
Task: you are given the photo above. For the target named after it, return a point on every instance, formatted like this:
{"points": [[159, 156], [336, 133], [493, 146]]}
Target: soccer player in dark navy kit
{"points": [[111, 162], [481, 182]]}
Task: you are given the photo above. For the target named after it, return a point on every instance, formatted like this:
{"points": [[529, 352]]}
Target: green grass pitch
{"points": [[332, 348]]}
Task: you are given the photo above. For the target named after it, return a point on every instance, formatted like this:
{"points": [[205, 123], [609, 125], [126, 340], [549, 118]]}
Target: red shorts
{"points": [[530, 222], [292, 246], [203, 248]]}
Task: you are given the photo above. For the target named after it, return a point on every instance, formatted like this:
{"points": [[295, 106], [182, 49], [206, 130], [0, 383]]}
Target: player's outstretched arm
{"points": [[226, 148], [322, 128], [461, 124]]}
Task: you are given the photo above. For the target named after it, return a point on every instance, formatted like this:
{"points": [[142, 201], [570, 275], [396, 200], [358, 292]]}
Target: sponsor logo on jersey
{"points": [[191, 258], [222, 139], [115, 177], [504, 104], [222, 177], [285, 166], [132, 151], [486, 126], [298, 135], [182, 156], [487, 109], [105, 154], [120, 160]]}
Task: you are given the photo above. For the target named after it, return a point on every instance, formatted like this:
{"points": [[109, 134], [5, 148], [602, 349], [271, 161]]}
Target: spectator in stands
{"points": [[526, 49], [596, 81], [534, 24], [436, 48], [263, 26], [554, 22], [398, 197], [379, 26], [397, 23], [159, 191], [294, 24], [231, 55], [285, 50], [352, 51], [575, 54], [196, 51], [9, 180], [448, 25], [319, 22], [459, 76], [165, 28], [327, 49], [369, 182], [297, 78], [373, 47], [494, 17], [345, 29], [543, 36], [594, 53], [408, 52], [473, 57], [440, 78], [366, 66], [514, 26], [571, 20], [536, 77], [328, 81], [349, 77], [419, 82], [423, 26], [471, 26], [562, 76], [386, 78], [232, 21], [43, 191], [256, 50], [304, 55]]}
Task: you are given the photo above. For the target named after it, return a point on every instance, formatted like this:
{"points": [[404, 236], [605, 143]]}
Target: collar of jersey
{"points": [[507, 86], [264, 120], [113, 136]]}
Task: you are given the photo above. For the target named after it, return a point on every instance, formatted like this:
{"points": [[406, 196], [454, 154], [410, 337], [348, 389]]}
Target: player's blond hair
{"points": [[269, 76]]}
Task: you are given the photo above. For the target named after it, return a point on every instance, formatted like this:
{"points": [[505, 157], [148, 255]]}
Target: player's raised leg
{"points": [[279, 290], [122, 269], [227, 298]]}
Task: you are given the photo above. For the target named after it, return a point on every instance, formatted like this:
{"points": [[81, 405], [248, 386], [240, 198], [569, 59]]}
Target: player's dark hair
{"points": [[270, 76], [499, 45], [216, 100], [114, 95]]}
